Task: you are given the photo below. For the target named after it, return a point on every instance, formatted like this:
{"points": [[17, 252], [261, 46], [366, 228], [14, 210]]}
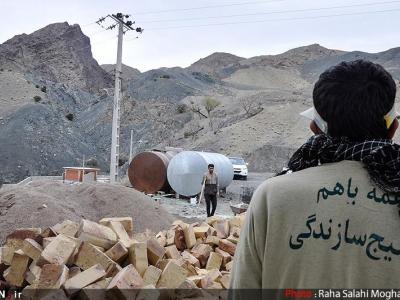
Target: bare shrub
{"points": [[250, 106]]}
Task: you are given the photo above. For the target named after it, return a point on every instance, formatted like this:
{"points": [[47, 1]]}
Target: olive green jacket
{"points": [[323, 227]]}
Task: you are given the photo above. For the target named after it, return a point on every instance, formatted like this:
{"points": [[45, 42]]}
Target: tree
{"points": [[37, 98], [196, 109], [181, 108], [92, 163], [70, 116], [250, 106], [123, 159], [209, 105], [192, 131]]}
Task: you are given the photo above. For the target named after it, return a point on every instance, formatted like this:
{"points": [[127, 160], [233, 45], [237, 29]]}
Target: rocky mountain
{"points": [[58, 53], [169, 84], [218, 64], [295, 57], [128, 73], [389, 59], [53, 113]]}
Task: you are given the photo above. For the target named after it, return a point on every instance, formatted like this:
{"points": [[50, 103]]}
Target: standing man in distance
{"points": [[211, 188]]}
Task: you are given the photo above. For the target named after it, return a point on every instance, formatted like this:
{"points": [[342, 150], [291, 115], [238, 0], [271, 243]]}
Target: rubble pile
{"points": [[72, 259]]}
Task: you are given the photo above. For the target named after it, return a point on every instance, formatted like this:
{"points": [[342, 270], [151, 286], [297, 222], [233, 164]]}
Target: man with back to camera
{"points": [[211, 188], [332, 220]]}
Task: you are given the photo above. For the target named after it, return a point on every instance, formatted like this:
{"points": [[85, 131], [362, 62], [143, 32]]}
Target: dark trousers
{"points": [[211, 199]]}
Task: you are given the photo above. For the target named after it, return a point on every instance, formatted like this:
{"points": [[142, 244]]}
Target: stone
{"points": [[155, 251], [52, 276], [172, 252], [15, 274], [138, 256], [226, 257], [67, 228], [127, 222], [122, 284], [227, 246], [96, 234], [85, 278], [88, 256], [201, 252], [152, 275], [172, 276], [58, 251], [32, 249], [214, 261], [118, 252]]}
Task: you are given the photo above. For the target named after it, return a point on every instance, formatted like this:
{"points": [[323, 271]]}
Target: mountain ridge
{"points": [[54, 110], [58, 52]]}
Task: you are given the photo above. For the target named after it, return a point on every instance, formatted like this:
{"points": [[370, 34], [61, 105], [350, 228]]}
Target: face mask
{"points": [[313, 115]]}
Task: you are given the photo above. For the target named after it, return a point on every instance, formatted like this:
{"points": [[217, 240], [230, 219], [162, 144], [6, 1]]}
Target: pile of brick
{"points": [[77, 258]]}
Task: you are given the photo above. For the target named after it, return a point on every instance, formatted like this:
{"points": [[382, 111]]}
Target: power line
{"points": [[206, 7], [274, 20], [276, 12], [133, 39], [88, 24]]}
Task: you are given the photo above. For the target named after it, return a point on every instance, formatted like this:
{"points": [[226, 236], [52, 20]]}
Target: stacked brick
{"points": [[75, 258]]}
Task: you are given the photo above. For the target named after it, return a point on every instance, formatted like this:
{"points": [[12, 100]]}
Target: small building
{"points": [[80, 174]]}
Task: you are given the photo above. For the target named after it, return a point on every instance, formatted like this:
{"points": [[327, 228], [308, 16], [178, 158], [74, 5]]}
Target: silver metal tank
{"points": [[186, 169]]}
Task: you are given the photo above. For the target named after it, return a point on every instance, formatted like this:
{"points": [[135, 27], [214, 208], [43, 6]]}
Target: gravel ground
{"points": [[46, 203], [183, 209]]}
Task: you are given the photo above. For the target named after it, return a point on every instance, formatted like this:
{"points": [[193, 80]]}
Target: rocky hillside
{"points": [[218, 64], [58, 53], [53, 111], [128, 73]]}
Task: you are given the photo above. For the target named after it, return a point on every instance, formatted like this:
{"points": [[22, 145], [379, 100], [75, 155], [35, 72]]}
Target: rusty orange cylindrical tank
{"points": [[148, 171]]}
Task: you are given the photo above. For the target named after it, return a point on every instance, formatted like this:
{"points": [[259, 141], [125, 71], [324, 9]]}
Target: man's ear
{"points": [[392, 129], [314, 128]]}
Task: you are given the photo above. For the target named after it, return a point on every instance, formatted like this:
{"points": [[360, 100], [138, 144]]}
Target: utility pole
{"points": [[83, 168], [114, 160], [123, 26], [130, 148]]}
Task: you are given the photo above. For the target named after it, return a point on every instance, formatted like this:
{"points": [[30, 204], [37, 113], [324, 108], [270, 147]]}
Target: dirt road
{"points": [[182, 208]]}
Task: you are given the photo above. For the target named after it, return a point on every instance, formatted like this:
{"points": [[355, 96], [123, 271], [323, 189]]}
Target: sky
{"points": [[178, 33]]}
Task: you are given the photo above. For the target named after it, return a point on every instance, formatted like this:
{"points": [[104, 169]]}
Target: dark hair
{"points": [[211, 165], [353, 98]]}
